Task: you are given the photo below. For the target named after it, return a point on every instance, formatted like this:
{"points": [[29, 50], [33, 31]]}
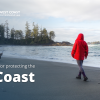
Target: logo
{"points": [[9, 13]]}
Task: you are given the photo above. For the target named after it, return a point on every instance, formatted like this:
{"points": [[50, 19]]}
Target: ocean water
{"points": [[51, 53]]}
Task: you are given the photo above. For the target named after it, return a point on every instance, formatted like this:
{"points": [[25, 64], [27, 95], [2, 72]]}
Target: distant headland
{"points": [[96, 42], [36, 36], [64, 43]]}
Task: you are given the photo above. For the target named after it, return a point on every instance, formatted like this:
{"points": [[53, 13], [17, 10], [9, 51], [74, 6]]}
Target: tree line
{"points": [[35, 36]]}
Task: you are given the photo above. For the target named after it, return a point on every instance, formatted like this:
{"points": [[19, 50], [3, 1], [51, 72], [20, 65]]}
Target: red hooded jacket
{"points": [[80, 48]]}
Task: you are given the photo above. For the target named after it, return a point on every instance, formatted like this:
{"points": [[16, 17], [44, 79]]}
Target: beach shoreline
{"points": [[45, 60], [54, 54]]}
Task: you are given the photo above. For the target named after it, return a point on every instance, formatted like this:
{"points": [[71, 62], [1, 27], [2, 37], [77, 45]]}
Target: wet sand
{"points": [[53, 81]]}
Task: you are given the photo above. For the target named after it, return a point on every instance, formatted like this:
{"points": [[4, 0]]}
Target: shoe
{"points": [[85, 78], [78, 77]]}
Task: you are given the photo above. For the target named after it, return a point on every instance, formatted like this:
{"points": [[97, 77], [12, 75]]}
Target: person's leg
{"points": [[79, 62], [79, 75], [81, 70]]}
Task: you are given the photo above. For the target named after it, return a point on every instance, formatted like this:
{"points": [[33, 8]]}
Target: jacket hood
{"points": [[80, 37]]}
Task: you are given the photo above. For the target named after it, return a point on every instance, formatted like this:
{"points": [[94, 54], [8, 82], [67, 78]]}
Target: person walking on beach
{"points": [[79, 51]]}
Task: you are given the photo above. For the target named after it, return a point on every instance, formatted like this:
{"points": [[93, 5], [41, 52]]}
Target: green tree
{"points": [[44, 35], [2, 30], [35, 32], [40, 36], [12, 33], [7, 30], [51, 35], [18, 34], [21, 34], [27, 31]]}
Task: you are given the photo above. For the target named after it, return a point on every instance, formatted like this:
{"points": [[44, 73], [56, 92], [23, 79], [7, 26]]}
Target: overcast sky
{"points": [[67, 18]]}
